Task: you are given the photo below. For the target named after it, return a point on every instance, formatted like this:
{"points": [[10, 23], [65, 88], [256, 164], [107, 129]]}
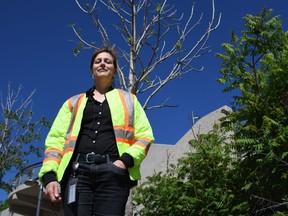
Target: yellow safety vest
{"points": [[132, 129]]}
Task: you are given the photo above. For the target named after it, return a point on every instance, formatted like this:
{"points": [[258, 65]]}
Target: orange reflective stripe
{"points": [[71, 138], [79, 102], [124, 140], [70, 104], [144, 143], [53, 150], [127, 100], [74, 104], [124, 107], [124, 128], [69, 150], [73, 101], [140, 144], [145, 140], [124, 134], [51, 159], [71, 144]]}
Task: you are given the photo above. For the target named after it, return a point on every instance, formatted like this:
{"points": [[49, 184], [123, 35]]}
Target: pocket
{"points": [[120, 175], [118, 170]]}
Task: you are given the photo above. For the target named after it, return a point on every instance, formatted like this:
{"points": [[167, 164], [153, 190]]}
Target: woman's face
{"points": [[103, 66]]}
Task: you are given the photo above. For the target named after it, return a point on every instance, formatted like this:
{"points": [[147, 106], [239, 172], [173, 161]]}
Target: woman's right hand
{"points": [[52, 190]]}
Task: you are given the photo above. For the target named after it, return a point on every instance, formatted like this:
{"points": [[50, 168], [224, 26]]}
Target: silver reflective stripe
{"points": [[144, 142], [130, 107], [124, 134], [53, 154]]}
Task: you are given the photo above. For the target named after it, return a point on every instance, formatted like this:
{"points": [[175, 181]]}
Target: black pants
{"points": [[101, 190]]}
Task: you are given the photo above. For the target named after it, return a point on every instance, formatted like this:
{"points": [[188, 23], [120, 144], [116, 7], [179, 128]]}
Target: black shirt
{"points": [[97, 134]]}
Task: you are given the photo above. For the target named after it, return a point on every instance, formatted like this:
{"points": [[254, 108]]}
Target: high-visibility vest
{"points": [[132, 129]]}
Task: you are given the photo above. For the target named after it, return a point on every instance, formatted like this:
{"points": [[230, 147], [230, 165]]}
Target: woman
{"points": [[96, 145]]}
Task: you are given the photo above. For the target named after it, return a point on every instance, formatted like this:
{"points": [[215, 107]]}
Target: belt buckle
{"points": [[87, 157]]}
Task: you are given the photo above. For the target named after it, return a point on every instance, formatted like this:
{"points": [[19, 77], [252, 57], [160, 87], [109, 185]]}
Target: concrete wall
{"points": [[161, 155]]}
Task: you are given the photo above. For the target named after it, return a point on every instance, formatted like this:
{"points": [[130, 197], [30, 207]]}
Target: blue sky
{"points": [[36, 52]]}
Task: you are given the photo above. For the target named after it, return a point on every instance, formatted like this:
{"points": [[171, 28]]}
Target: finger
{"points": [[52, 191], [55, 190]]}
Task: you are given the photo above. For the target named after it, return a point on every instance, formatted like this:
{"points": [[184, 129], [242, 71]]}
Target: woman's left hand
{"points": [[119, 164]]}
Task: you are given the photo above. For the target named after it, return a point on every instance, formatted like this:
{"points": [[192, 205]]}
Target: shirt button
{"points": [[98, 123], [94, 141], [100, 113], [96, 131]]}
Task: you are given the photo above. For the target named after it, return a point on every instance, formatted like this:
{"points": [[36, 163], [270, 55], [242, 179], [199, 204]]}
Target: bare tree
{"points": [[154, 34]]}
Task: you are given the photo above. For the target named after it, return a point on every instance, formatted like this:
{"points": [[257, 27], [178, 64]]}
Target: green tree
{"points": [[19, 134], [202, 183], [255, 67]]}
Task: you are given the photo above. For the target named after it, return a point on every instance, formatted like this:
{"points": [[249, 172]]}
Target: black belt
{"points": [[92, 158]]}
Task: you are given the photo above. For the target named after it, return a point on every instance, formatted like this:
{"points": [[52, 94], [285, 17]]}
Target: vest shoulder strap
{"points": [[74, 100]]}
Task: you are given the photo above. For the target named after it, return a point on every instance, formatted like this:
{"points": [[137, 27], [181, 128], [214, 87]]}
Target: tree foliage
{"points": [[148, 34], [202, 183], [256, 66], [19, 134], [241, 168]]}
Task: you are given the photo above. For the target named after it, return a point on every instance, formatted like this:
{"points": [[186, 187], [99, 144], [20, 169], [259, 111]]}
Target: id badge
{"points": [[72, 190]]}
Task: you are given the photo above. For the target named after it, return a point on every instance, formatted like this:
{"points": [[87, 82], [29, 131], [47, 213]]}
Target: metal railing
{"points": [[28, 174]]}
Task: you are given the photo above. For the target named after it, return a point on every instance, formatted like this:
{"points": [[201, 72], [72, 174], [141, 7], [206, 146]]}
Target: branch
{"points": [[152, 46], [86, 11], [161, 105], [270, 204], [81, 39], [185, 61]]}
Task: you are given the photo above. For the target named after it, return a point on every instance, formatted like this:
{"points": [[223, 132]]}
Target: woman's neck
{"points": [[102, 88]]}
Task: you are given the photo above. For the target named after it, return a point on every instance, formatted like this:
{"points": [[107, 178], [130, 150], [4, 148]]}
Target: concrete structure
{"points": [[26, 197], [161, 155]]}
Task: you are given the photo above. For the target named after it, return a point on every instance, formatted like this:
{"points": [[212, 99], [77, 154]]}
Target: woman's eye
{"points": [[107, 61]]}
